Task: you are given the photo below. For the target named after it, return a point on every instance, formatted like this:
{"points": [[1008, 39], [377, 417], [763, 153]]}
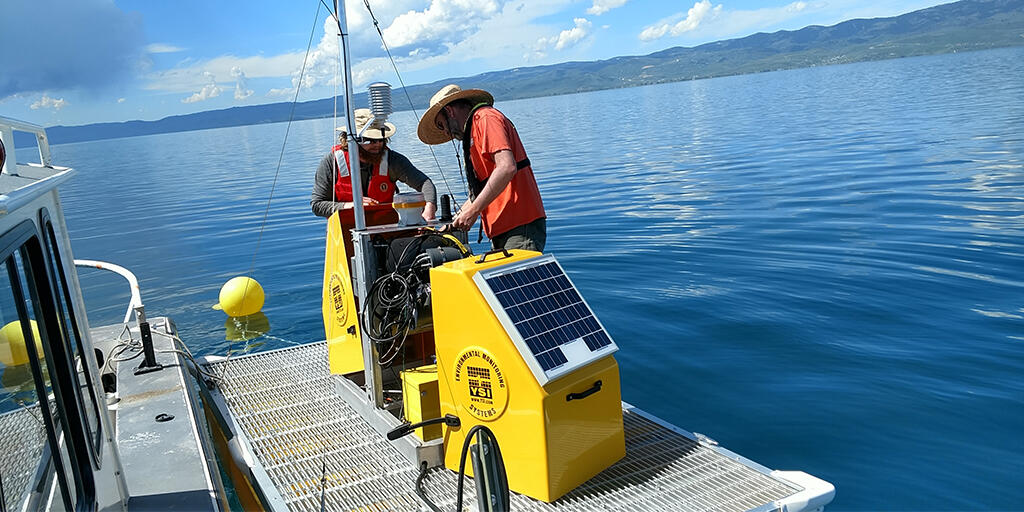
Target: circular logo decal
{"points": [[480, 384], [383, 187], [338, 299]]}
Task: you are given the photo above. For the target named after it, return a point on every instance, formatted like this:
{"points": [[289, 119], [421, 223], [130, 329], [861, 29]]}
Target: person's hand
{"points": [[369, 201], [466, 218], [429, 210]]}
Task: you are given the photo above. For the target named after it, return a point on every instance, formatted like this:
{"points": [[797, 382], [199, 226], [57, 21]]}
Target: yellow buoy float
{"points": [[13, 351], [240, 296]]}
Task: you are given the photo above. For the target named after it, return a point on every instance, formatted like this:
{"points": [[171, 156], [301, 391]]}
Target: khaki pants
{"points": [[530, 236]]}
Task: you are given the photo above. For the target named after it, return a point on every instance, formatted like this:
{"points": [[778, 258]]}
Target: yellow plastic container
{"points": [[420, 400], [550, 444]]}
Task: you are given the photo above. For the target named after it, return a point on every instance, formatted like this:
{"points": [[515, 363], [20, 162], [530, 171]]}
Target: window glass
{"points": [[27, 467], [83, 381]]}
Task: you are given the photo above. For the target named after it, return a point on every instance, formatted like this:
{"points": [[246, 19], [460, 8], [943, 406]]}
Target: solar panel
{"points": [[553, 327]]}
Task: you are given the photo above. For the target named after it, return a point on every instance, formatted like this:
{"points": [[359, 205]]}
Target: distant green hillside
{"points": [[967, 25]]}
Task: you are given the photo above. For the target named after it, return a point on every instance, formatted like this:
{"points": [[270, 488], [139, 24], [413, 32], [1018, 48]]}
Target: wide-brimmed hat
{"points": [[428, 132], [363, 116]]}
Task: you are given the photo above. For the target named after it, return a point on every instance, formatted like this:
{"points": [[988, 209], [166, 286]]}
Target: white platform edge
{"points": [[815, 495]]}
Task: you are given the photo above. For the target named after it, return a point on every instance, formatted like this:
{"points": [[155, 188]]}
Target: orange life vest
{"points": [[381, 188]]}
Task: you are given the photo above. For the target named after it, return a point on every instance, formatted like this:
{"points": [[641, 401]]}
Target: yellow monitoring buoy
{"points": [[240, 296], [13, 351]]}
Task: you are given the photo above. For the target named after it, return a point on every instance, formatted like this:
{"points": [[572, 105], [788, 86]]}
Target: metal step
{"points": [[285, 406]]}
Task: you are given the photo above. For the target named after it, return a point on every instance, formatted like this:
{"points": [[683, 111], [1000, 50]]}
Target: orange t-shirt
{"points": [[519, 203]]}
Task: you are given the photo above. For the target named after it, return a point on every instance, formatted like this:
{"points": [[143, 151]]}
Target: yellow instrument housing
{"points": [[550, 443], [420, 399], [341, 319]]}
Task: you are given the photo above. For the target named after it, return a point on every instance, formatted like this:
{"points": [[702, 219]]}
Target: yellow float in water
{"points": [[240, 296], [12, 343]]}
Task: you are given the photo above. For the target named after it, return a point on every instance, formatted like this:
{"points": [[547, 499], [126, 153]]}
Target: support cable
{"points": [[409, 98]]}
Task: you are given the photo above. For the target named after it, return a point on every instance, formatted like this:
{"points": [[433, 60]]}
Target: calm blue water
{"points": [[823, 269]]}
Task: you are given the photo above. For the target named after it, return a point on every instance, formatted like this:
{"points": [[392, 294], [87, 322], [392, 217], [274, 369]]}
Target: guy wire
{"points": [[409, 98]]}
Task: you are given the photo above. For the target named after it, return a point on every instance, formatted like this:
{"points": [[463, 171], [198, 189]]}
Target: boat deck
{"points": [[291, 423]]}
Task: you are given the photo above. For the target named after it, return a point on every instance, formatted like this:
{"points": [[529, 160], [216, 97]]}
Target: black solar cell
{"points": [[547, 311]]}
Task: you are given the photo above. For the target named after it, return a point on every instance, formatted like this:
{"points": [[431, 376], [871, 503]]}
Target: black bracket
{"points": [[149, 363]]}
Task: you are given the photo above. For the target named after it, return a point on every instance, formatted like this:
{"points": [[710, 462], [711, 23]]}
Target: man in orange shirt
{"points": [[503, 191]]}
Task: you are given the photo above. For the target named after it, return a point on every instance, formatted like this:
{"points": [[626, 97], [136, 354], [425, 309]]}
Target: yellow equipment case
{"points": [[518, 350]]}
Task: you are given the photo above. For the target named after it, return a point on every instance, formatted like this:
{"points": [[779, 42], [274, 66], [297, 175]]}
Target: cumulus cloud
{"points": [[54, 45], [210, 90], [694, 16], [567, 37], [48, 102], [241, 84], [121, 100], [602, 6], [443, 21]]}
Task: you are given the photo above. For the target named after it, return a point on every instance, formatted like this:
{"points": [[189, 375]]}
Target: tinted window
{"points": [[86, 396]]}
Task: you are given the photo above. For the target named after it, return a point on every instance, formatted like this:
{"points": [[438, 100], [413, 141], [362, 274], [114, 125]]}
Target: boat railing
{"points": [[7, 128], [135, 305]]}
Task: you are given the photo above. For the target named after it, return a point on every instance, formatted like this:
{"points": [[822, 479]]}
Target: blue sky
{"points": [[82, 61]]}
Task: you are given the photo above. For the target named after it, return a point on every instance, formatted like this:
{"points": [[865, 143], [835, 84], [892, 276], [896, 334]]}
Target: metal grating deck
{"points": [[285, 403], [22, 438]]}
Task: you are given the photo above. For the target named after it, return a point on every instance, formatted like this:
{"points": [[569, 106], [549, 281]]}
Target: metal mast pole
{"points": [[363, 270], [353, 147]]}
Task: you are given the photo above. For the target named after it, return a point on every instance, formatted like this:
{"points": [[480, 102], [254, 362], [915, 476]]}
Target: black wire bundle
{"points": [[390, 313], [393, 302]]}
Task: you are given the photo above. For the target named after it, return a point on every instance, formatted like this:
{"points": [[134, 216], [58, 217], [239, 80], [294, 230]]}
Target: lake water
{"points": [[822, 269]]}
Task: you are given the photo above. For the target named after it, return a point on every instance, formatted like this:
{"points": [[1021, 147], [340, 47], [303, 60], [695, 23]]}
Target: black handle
{"points": [[580, 396], [483, 257]]}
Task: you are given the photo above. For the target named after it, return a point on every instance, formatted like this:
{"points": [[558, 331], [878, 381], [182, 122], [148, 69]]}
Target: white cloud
{"points": [[602, 6], [425, 34], [48, 102], [162, 48], [192, 75], [210, 90], [717, 22], [694, 16], [241, 85], [443, 21], [566, 37], [121, 100]]}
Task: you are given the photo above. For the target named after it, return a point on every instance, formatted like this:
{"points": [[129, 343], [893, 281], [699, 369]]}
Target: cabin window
{"points": [[29, 472], [70, 328], [43, 459]]}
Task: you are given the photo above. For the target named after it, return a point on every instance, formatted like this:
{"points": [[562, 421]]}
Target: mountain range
{"points": [[967, 25]]}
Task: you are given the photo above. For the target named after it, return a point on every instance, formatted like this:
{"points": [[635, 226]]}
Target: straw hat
{"points": [[363, 116], [427, 130]]}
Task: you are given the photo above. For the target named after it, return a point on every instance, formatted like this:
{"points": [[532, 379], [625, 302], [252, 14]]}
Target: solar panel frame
{"points": [[538, 305]]}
